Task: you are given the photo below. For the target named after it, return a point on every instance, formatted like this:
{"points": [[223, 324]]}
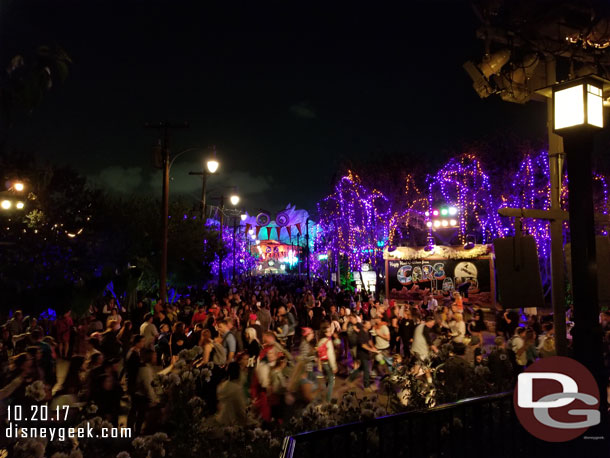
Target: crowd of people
{"points": [[272, 345]]}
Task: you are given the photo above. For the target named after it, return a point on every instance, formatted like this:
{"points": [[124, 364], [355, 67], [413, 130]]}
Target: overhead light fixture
{"points": [[213, 165], [444, 223], [234, 199], [452, 211], [243, 216], [437, 223], [18, 186], [6, 204], [452, 222], [429, 224], [480, 74], [20, 205]]}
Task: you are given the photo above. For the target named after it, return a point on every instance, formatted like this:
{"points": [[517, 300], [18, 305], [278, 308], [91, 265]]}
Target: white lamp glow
{"points": [[5, 204], [234, 199], [578, 103], [213, 165]]}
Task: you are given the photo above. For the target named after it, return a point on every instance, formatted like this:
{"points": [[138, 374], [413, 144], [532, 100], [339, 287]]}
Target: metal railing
{"points": [[484, 426]]}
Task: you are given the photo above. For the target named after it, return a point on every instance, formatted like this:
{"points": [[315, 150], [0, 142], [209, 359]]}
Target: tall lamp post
{"points": [[211, 167], [578, 115], [234, 199]]}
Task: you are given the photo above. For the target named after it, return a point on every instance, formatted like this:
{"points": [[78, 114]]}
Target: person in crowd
{"points": [[125, 335], [15, 324], [145, 396], [457, 328], [231, 399], [148, 330], [177, 340], [327, 359], [519, 349], [365, 349], [500, 366], [228, 340], [63, 326], [423, 346]]}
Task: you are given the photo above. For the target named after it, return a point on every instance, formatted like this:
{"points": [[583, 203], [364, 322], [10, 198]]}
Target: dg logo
{"points": [[557, 399]]}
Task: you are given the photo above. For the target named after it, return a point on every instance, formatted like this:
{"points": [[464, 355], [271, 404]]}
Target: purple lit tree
{"points": [[244, 260], [355, 221]]}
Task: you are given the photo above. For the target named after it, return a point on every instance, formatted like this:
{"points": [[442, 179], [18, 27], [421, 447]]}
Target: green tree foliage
{"points": [[72, 240]]}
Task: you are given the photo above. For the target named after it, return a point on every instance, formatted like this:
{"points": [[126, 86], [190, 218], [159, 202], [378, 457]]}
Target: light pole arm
{"points": [[180, 154]]}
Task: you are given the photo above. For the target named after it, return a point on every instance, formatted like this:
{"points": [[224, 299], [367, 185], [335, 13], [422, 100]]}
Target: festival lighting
{"points": [[18, 186], [6, 204], [353, 219], [20, 205], [234, 199]]}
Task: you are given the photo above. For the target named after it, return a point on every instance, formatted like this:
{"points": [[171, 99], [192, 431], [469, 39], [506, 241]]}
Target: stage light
{"points": [[453, 222], [444, 212], [437, 223], [427, 213], [445, 223], [429, 224], [435, 212], [452, 211], [480, 74]]}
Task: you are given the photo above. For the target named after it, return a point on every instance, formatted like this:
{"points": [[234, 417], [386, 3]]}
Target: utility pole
{"points": [[204, 177], [164, 128]]}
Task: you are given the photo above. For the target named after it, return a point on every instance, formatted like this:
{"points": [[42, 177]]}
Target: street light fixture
{"points": [[234, 200], [578, 115], [213, 165]]}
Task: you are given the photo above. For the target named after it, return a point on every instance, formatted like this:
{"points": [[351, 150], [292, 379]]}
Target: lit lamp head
{"points": [[6, 204], [234, 199], [212, 165], [18, 186], [578, 104], [243, 216]]}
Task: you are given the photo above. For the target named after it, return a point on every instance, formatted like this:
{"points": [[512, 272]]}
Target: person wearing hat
{"points": [[148, 330], [256, 325]]}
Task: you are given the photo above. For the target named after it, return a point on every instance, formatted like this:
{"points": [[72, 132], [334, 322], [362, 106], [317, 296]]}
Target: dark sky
{"points": [[285, 90]]}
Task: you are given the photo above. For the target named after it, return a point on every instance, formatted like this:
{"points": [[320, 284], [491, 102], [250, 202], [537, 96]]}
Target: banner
{"points": [[472, 277]]}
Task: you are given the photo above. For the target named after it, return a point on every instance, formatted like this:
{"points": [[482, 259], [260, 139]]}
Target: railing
{"points": [[485, 426]]}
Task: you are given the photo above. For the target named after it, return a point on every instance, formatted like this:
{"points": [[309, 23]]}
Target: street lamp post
{"points": [[212, 166], [578, 115], [164, 128], [234, 199]]}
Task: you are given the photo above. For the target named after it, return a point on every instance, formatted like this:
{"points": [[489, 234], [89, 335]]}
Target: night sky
{"points": [[285, 91]]}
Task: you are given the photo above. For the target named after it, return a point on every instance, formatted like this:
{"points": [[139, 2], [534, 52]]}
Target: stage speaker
{"points": [[518, 272]]}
